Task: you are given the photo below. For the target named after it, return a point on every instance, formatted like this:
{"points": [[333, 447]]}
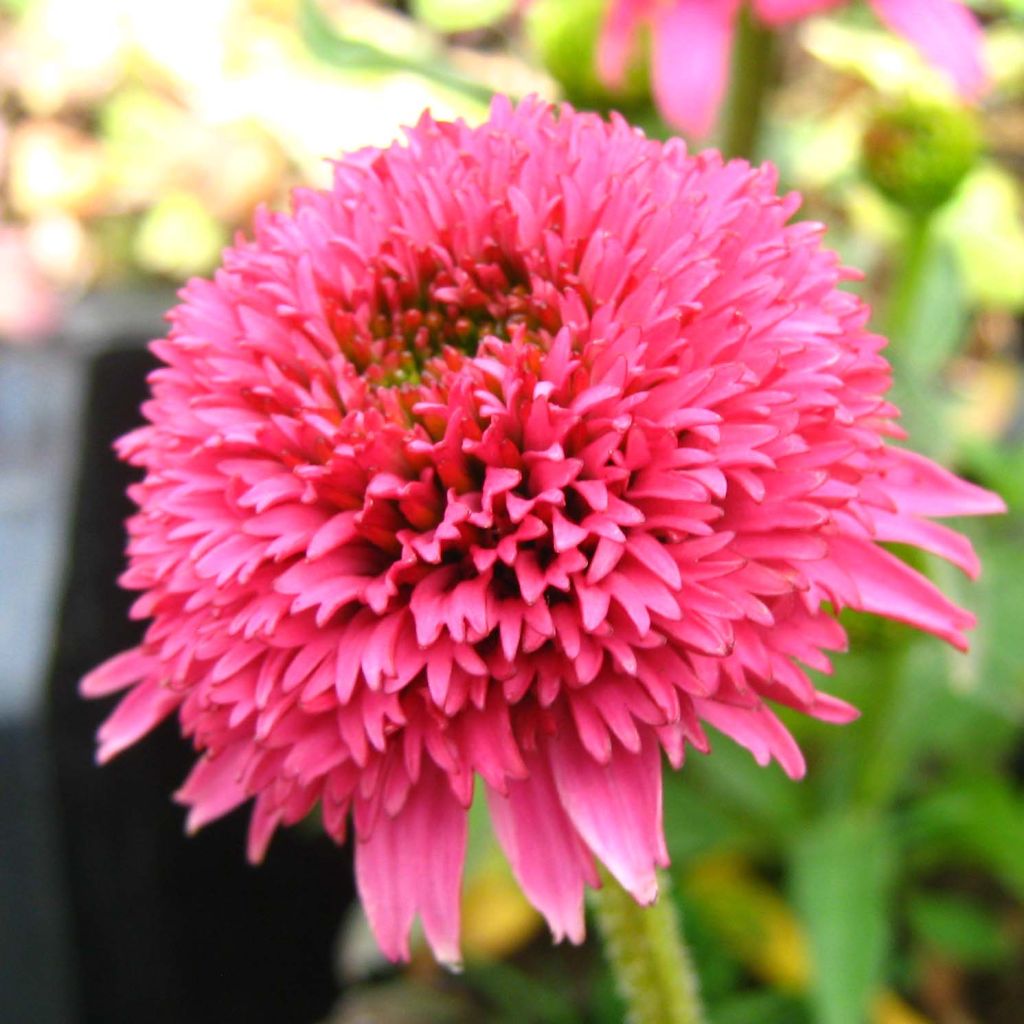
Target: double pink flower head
{"points": [[692, 41], [522, 454]]}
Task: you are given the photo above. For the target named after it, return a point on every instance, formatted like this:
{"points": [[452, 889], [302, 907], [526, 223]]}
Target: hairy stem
{"points": [[649, 959]]}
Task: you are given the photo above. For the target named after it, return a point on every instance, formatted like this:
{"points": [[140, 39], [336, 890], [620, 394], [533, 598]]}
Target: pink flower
{"points": [[692, 40], [521, 453]]}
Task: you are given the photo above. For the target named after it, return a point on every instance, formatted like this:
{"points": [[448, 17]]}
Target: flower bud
{"points": [[564, 36], [917, 154]]}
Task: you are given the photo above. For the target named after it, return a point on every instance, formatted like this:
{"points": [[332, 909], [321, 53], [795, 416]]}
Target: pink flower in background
{"points": [[523, 452], [692, 41]]}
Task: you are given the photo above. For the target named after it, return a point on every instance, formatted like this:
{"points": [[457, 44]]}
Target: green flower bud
{"points": [[565, 35], [917, 154]]}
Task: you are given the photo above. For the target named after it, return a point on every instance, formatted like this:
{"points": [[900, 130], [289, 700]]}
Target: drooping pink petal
{"points": [[934, 537], [412, 863], [886, 586], [690, 50], [548, 858], [921, 487], [946, 33], [139, 712], [116, 674], [215, 786], [618, 36], [760, 731], [616, 808]]}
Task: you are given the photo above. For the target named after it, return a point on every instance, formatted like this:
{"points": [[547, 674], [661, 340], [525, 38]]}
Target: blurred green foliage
{"points": [[461, 15]]}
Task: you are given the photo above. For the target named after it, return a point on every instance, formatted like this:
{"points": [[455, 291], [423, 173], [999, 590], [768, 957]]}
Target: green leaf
{"points": [[403, 1002], [695, 825], [998, 683], [761, 799], [605, 1003], [871, 53], [841, 876], [984, 225], [979, 820], [910, 705], [999, 466], [762, 1007], [938, 325], [355, 54], [511, 989], [461, 15], [959, 929], [717, 967]]}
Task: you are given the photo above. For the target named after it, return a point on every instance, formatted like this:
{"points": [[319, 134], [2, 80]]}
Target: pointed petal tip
{"points": [[449, 957], [827, 708], [646, 891], [395, 952], [195, 819], [110, 744], [959, 642], [995, 505], [641, 885], [115, 674], [105, 753], [574, 932]]}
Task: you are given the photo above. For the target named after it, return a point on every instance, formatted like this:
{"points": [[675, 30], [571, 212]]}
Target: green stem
{"points": [[913, 379], [894, 696], [648, 957], [913, 260], [753, 65]]}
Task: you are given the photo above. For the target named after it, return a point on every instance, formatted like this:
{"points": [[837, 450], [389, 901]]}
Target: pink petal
{"points": [[142, 710], [116, 674], [616, 43], [616, 808], [214, 787], [759, 731], [548, 857], [939, 540], [920, 487], [831, 709], [692, 40], [888, 587], [946, 34], [413, 862]]}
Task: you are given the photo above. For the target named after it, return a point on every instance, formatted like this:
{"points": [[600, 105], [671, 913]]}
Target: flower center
{"points": [[419, 312]]}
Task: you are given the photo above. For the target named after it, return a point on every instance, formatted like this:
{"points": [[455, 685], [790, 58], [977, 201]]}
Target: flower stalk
{"points": [[648, 956], [913, 261], [753, 66]]}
